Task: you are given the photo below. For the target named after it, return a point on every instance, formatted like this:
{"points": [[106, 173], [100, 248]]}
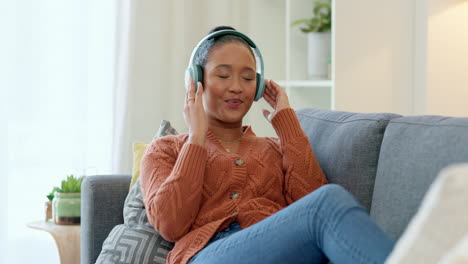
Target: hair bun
{"points": [[218, 28]]}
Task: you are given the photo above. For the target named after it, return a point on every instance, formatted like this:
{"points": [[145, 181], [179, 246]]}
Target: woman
{"points": [[224, 195]]}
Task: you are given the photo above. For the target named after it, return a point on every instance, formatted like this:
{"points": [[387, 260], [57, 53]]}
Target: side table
{"points": [[67, 238]]}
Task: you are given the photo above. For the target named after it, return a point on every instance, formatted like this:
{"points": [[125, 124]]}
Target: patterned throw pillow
{"points": [[136, 241]]}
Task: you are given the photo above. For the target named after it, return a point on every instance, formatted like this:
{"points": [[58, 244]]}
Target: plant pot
{"points": [[318, 54], [66, 208]]}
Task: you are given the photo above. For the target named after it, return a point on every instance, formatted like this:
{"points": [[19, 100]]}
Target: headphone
{"points": [[196, 71]]}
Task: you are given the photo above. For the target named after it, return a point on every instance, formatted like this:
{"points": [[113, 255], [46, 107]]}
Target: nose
{"points": [[236, 86]]}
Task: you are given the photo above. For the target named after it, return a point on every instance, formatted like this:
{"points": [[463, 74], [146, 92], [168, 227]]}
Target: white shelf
{"points": [[306, 83], [303, 92]]}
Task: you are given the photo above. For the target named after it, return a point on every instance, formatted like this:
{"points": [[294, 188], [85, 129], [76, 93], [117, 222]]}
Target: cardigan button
{"points": [[233, 212], [238, 162], [234, 195]]}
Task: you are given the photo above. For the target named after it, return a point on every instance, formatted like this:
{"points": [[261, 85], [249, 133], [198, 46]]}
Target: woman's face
{"points": [[230, 83]]}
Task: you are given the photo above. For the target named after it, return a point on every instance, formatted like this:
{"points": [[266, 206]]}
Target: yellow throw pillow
{"points": [[139, 149]]}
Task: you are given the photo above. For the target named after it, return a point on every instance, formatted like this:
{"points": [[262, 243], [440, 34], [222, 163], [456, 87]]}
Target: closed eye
{"points": [[223, 76]]}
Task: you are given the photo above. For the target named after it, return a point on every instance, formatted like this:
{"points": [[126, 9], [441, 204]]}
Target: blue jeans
{"points": [[325, 225]]}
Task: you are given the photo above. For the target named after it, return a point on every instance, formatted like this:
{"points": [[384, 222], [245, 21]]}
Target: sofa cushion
{"points": [[347, 146], [414, 150]]}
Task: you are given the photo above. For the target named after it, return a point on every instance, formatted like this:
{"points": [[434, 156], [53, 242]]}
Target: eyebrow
{"points": [[229, 67]]}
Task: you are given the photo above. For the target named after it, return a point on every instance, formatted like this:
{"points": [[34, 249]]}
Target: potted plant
{"points": [[318, 33], [66, 204]]}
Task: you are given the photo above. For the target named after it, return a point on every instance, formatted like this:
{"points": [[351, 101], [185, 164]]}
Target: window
{"points": [[57, 105]]}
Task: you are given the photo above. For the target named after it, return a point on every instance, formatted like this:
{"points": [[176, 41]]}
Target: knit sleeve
{"points": [[171, 183], [302, 170]]}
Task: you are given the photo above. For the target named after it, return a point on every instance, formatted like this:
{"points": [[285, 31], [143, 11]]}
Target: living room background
{"points": [[87, 78]]}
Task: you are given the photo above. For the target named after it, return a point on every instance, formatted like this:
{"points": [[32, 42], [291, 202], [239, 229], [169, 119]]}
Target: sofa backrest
{"points": [[347, 146], [414, 150]]}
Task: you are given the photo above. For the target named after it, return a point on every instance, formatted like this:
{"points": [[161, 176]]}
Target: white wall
{"points": [[266, 28], [373, 56], [406, 57], [447, 58]]}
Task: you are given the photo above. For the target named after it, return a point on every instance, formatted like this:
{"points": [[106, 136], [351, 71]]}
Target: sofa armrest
{"points": [[102, 201]]}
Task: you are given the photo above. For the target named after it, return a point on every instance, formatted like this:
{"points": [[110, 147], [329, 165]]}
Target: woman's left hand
{"points": [[276, 98]]}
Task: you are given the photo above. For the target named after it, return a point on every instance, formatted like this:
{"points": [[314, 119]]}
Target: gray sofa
{"points": [[387, 161]]}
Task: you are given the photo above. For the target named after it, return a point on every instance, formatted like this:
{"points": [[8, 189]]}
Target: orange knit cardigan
{"points": [[188, 189]]}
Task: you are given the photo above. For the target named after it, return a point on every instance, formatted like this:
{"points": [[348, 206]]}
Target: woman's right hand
{"points": [[194, 114]]}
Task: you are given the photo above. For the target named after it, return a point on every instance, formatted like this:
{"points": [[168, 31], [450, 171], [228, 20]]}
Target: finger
{"points": [[280, 91], [198, 97], [276, 87], [269, 96], [266, 114], [192, 90], [190, 95], [187, 91], [282, 96], [270, 100], [269, 87]]}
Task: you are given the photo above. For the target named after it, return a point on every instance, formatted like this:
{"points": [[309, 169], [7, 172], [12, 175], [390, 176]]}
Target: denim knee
{"points": [[335, 198], [337, 193]]}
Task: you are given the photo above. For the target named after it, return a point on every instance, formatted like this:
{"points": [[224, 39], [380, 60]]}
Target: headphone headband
{"points": [[218, 34]]}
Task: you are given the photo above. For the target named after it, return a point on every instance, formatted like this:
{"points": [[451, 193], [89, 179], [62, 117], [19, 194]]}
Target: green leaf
{"points": [[51, 195], [71, 184], [320, 22], [300, 21], [305, 30]]}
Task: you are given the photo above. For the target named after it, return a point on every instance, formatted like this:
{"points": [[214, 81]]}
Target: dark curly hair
{"points": [[205, 48]]}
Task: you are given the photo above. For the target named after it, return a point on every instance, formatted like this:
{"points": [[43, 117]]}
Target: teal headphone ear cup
{"points": [[260, 87], [196, 73]]}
